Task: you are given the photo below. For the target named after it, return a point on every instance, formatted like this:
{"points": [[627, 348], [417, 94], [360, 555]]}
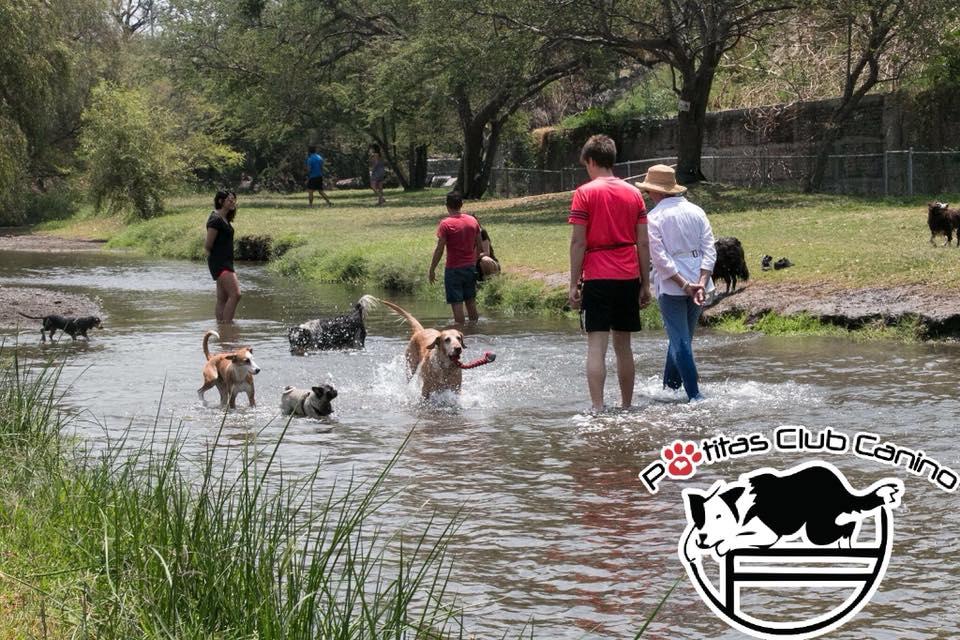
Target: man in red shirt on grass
{"points": [[459, 233], [609, 252]]}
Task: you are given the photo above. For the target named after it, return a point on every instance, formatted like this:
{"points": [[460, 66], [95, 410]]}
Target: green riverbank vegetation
{"points": [[833, 241], [773, 324]]}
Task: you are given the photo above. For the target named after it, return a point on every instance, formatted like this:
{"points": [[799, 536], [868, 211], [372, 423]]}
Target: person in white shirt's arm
{"points": [[683, 255]]}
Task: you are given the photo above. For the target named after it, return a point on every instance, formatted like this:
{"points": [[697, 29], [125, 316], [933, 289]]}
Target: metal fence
{"points": [[903, 172]]}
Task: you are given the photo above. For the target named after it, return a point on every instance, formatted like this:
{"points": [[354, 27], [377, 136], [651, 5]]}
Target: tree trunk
{"points": [[828, 139], [691, 122], [821, 160], [383, 138], [471, 159], [417, 167], [476, 162]]}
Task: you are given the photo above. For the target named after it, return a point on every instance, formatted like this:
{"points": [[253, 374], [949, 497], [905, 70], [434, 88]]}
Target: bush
{"points": [[350, 266], [397, 276], [56, 204], [126, 143], [515, 295], [284, 244]]}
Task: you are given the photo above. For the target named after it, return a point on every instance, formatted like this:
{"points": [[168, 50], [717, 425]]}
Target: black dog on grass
{"points": [[731, 263], [342, 332], [71, 326], [943, 220]]}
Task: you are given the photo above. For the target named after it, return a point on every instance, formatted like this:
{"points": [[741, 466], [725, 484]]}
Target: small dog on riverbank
{"points": [[231, 373], [342, 332], [943, 221], [70, 326], [307, 403], [731, 263]]}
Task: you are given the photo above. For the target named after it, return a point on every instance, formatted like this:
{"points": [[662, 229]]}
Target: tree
{"points": [[489, 69], [136, 151], [689, 35], [49, 59], [131, 162], [279, 71], [133, 16], [397, 72], [881, 39]]}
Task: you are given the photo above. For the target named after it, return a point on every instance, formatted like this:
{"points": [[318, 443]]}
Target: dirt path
{"points": [[549, 279]]}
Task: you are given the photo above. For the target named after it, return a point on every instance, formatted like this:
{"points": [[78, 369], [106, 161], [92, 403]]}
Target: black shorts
{"points": [[611, 305], [315, 184]]}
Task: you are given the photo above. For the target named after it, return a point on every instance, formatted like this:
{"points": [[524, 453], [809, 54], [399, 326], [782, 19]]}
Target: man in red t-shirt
{"points": [[610, 253], [459, 233]]}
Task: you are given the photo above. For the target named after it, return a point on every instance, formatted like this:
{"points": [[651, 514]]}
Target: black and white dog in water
{"points": [[308, 403], [342, 332], [71, 326]]}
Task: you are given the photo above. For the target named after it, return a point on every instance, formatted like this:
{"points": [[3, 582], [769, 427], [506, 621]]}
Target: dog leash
{"points": [[488, 357]]}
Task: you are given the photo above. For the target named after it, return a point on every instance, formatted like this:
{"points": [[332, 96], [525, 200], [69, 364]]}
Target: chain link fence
{"points": [[905, 172]]}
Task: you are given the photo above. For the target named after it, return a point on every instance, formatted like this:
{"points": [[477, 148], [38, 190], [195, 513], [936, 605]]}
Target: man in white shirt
{"points": [[683, 255]]}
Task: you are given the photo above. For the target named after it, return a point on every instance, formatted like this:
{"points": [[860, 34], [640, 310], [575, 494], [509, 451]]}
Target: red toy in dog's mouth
{"points": [[488, 357]]}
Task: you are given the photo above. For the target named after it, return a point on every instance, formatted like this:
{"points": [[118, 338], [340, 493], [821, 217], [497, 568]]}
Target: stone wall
{"points": [[748, 142]]}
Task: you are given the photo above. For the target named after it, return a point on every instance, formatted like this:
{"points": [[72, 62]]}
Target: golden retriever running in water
{"points": [[435, 353]]}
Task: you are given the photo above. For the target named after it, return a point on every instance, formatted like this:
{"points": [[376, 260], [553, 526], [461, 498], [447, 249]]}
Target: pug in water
{"points": [[307, 403]]}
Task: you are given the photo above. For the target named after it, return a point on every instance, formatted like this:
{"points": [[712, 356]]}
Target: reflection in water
{"points": [[558, 531]]}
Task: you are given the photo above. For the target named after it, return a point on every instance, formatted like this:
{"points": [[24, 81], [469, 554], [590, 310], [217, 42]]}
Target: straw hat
{"points": [[662, 179]]}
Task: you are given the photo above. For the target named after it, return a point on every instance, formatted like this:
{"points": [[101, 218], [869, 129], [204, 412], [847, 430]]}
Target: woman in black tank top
{"points": [[219, 248]]}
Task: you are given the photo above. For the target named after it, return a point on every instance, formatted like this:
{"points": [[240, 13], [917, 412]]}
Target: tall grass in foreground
{"points": [[149, 542], [155, 544]]}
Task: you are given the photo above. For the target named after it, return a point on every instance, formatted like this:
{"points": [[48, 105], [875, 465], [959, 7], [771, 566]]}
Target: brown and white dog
{"points": [[435, 353], [231, 373]]}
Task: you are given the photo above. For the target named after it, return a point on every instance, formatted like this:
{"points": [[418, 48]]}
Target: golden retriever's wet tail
{"points": [[414, 323]]}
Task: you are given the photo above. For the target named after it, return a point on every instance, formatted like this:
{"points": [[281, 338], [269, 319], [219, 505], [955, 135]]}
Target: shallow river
{"points": [[559, 531]]}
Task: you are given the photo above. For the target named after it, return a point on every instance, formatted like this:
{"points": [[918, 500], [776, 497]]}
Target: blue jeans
{"points": [[680, 315]]}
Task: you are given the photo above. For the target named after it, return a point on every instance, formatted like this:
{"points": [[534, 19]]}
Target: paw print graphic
{"points": [[682, 459]]}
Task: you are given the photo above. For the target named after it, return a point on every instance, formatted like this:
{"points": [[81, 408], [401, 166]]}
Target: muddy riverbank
{"points": [[936, 311], [34, 301], [22, 240]]}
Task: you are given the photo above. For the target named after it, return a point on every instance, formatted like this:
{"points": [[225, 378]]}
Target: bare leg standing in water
{"points": [[228, 297]]}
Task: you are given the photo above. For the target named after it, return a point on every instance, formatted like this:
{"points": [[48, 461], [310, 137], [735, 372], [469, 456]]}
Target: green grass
{"points": [[842, 241], [910, 330], [141, 540], [834, 241]]}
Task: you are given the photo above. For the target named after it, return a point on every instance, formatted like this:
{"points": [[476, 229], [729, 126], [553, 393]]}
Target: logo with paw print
{"points": [[682, 459]]}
